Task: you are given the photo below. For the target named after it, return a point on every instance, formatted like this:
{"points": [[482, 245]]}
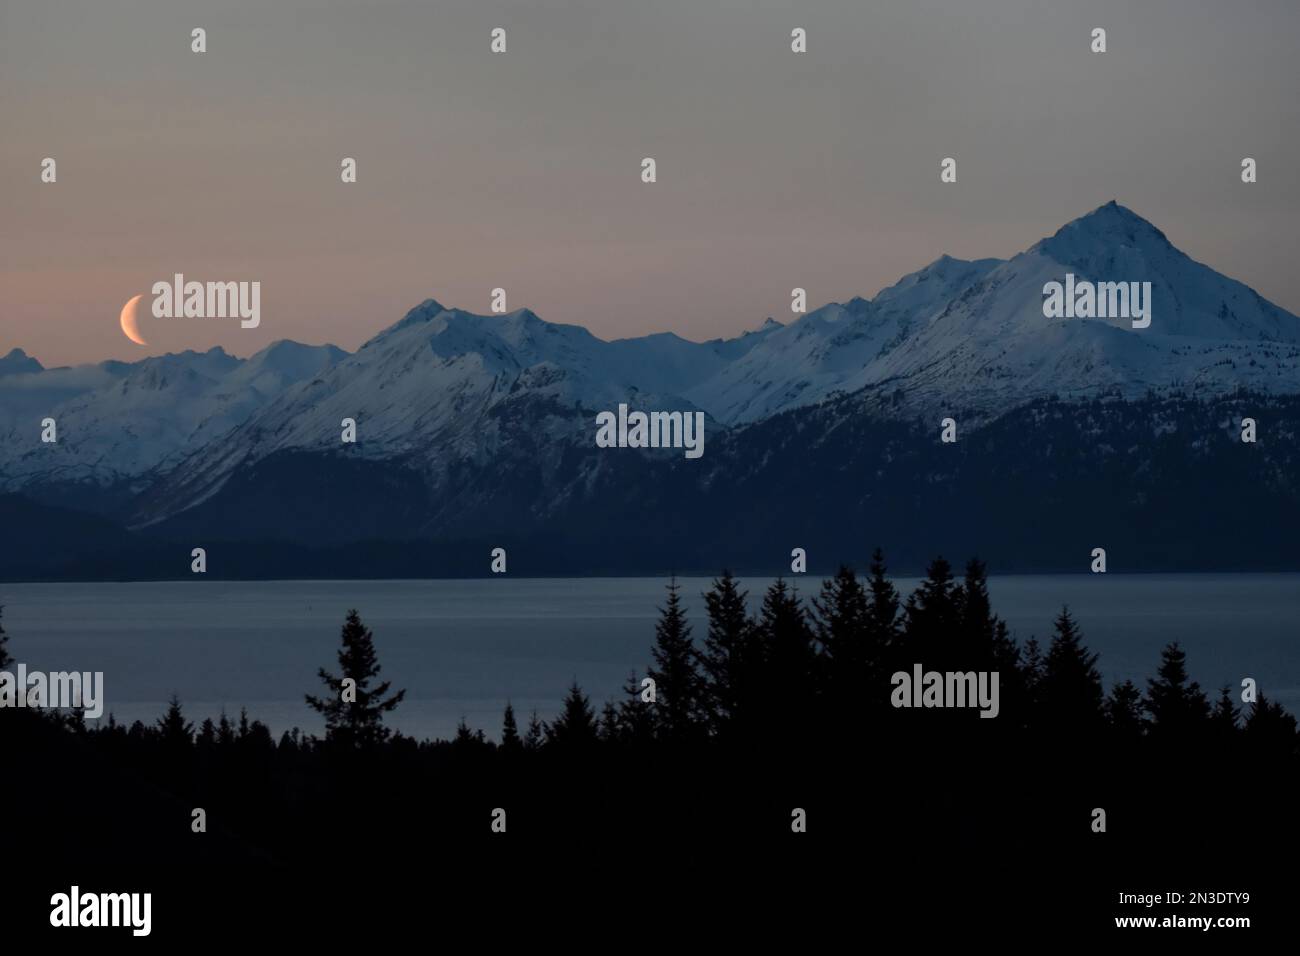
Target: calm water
{"points": [[461, 648]]}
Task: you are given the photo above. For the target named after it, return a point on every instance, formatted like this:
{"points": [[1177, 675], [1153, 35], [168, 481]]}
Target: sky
{"points": [[522, 170]]}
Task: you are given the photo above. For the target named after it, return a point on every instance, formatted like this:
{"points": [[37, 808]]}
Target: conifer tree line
{"points": [[799, 670]]}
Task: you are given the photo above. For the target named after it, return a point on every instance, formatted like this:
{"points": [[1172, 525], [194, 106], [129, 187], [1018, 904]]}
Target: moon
{"points": [[131, 323]]}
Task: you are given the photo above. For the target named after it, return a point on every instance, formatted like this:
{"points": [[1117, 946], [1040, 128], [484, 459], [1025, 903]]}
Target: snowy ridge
{"points": [[443, 387]]}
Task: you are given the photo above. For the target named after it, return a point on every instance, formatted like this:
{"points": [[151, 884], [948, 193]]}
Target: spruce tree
{"points": [[1223, 719], [174, 731], [728, 656], [785, 666], [635, 716], [1177, 706], [575, 728], [464, 738], [882, 610], [510, 740], [978, 625], [1269, 729], [1124, 711], [207, 736], [677, 712], [1005, 658], [225, 732], [535, 735], [609, 729], [1070, 692], [356, 724], [931, 619], [884, 644], [1031, 677], [840, 622]]}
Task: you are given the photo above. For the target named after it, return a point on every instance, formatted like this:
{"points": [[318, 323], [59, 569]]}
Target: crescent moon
{"points": [[130, 322]]}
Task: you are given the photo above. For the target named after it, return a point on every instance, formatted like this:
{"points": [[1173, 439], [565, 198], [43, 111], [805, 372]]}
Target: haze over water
{"points": [[461, 648]]}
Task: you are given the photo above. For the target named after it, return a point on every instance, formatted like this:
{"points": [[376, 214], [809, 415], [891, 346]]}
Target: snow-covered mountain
{"points": [[991, 348], [445, 393], [835, 349], [443, 388], [121, 421], [972, 335]]}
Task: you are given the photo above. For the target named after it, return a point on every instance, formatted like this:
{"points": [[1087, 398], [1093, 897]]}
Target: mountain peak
{"points": [[18, 361], [1113, 212], [287, 350], [1110, 223], [426, 311]]}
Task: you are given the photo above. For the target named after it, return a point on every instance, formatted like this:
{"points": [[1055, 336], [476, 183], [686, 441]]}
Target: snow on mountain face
{"points": [[973, 334], [118, 421], [443, 386], [1114, 244], [832, 349], [992, 348]]}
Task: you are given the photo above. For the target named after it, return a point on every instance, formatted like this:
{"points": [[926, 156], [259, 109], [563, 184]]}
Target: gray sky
{"points": [[522, 170]]}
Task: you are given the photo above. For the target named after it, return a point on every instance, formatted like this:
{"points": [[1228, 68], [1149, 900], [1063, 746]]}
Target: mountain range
{"points": [[480, 428]]}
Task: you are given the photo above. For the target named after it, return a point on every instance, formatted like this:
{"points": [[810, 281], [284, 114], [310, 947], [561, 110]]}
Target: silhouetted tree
{"points": [[728, 655], [175, 738], [1031, 670], [356, 724], [207, 736], [635, 716], [986, 644], [1014, 679], [258, 742], [677, 712], [882, 610], [575, 728], [1269, 728], [1177, 706], [510, 740], [1124, 711], [783, 665], [930, 620], [977, 625], [535, 735], [174, 731], [464, 736], [1070, 692], [608, 727], [840, 623], [225, 732], [1223, 719]]}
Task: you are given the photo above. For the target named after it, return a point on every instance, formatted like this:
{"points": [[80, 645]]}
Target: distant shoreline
{"points": [[738, 571]]}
